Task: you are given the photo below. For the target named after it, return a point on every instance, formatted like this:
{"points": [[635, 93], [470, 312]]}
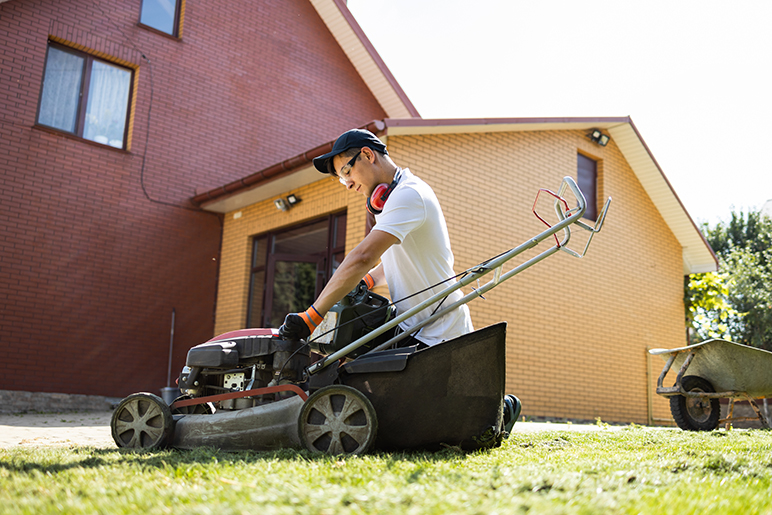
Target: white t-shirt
{"points": [[423, 258]]}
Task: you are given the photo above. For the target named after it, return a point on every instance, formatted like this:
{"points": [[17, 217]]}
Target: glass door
{"points": [[296, 282], [290, 268]]}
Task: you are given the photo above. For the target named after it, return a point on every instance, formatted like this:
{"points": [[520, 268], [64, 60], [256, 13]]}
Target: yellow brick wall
{"points": [[578, 329]]}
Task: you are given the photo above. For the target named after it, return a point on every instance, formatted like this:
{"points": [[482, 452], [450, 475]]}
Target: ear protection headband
{"points": [[380, 195]]}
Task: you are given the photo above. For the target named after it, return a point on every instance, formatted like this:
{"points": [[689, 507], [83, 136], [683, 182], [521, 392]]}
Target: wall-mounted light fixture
{"points": [[283, 204], [596, 136], [280, 204], [292, 199]]}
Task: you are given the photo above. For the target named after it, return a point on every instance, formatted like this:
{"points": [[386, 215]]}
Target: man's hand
{"points": [[294, 328], [299, 326]]}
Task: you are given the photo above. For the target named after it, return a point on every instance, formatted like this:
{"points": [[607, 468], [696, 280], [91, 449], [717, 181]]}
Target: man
{"points": [[410, 239]]}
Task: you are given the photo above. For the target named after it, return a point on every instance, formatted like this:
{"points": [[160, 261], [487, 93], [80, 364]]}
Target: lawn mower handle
{"points": [[566, 217]]}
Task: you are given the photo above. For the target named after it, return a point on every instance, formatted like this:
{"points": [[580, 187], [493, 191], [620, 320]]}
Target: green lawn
{"points": [[632, 470]]}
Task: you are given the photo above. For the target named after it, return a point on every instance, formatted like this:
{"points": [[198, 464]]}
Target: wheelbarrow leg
{"points": [[729, 413], [744, 396], [764, 421]]}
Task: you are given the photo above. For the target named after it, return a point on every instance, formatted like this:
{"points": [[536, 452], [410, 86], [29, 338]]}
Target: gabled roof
{"points": [[298, 171], [766, 209], [365, 59]]}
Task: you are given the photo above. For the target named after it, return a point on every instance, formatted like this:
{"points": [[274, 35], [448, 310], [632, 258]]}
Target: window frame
{"points": [[591, 213], [176, 33], [85, 84]]}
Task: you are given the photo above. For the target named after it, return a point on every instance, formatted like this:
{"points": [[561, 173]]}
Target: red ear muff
{"points": [[377, 200], [380, 194]]}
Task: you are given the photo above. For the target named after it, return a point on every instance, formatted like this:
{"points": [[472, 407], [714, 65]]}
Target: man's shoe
{"points": [[512, 406]]}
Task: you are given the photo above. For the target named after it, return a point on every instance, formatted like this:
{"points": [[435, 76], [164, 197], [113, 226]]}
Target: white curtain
{"points": [[108, 100], [61, 90]]}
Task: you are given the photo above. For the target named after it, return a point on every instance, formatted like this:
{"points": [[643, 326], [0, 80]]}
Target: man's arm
{"points": [[357, 263]]}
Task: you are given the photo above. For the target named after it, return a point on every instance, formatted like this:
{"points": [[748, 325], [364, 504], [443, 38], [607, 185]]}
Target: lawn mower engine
{"points": [[248, 359], [240, 361]]}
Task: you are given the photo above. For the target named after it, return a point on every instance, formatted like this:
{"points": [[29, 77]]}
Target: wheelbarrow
{"points": [[250, 389], [717, 369]]}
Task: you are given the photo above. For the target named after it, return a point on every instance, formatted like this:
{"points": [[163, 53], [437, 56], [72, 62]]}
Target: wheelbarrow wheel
{"points": [[695, 413], [338, 419], [141, 421]]}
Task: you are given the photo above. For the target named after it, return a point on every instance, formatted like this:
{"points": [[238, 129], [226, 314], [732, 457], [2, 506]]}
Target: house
{"points": [[112, 116], [578, 330], [148, 231], [766, 209]]}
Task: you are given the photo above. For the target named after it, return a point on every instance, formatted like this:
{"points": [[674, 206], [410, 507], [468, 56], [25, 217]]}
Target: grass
{"points": [[632, 470]]}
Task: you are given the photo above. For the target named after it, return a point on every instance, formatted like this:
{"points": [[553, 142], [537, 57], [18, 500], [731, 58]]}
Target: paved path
{"points": [[93, 429], [62, 429]]}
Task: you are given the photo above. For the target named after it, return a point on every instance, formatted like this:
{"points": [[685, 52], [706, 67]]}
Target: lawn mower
{"points": [[347, 389]]}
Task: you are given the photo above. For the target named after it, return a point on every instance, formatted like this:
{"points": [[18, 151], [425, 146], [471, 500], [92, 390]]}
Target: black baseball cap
{"points": [[355, 138]]}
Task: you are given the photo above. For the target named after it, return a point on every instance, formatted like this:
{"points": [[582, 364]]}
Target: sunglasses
{"points": [[345, 171]]}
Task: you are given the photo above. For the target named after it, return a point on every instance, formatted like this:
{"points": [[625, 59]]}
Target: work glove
{"points": [[299, 326], [368, 281]]}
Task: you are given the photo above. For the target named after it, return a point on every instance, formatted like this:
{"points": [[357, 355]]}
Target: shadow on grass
{"points": [[56, 460]]}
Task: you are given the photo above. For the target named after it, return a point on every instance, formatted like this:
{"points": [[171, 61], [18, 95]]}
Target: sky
{"points": [[694, 76]]}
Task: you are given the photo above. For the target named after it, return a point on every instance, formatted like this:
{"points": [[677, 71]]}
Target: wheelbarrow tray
{"points": [[448, 394], [728, 366]]}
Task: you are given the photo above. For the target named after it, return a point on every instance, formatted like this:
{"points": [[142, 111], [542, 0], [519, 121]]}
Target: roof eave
{"points": [[698, 256], [292, 173], [366, 60], [412, 126]]}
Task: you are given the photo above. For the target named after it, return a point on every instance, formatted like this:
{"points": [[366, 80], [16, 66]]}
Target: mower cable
{"points": [[480, 268]]}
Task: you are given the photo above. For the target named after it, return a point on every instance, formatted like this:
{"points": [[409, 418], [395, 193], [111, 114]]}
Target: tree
{"points": [[752, 232], [735, 303], [708, 311]]}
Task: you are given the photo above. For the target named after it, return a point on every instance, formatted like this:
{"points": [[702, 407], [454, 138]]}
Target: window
{"points": [[161, 15], [85, 96], [587, 180]]}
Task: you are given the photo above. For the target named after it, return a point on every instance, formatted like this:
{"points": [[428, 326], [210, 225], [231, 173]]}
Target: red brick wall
{"points": [[90, 269]]}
